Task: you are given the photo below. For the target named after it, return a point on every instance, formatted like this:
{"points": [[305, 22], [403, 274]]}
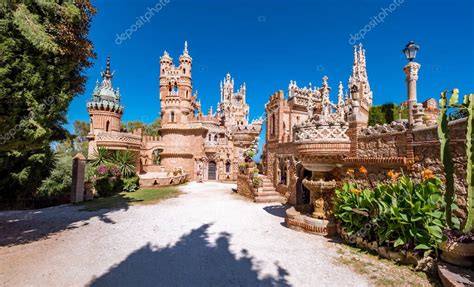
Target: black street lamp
{"points": [[410, 50]]}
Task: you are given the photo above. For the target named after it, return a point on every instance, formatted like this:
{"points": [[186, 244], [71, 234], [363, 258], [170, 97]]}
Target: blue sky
{"points": [[268, 43]]}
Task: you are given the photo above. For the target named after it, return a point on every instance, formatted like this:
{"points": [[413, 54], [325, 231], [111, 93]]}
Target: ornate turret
{"points": [[104, 97], [177, 102], [104, 109]]}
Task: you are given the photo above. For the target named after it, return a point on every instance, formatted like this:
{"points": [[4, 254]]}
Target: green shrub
{"points": [[56, 188], [131, 184], [107, 186], [402, 214]]}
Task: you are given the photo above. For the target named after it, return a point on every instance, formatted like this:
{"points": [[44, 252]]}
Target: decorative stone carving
{"points": [[321, 194], [395, 126]]}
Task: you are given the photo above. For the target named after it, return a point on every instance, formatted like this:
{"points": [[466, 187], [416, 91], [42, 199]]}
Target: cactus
{"points": [[447, 159], [469, 104], [445, 153]]}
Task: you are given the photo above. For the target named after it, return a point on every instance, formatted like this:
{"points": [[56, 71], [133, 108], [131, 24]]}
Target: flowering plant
{"points": [[402, 214], [115, 171], [102, 169]]}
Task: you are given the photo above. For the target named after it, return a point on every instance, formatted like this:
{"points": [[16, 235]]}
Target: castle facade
{"points": [[206, 146]]}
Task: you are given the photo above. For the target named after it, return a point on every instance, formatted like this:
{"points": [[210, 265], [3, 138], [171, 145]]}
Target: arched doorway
{"points": [[303, 195], [211, 170]]}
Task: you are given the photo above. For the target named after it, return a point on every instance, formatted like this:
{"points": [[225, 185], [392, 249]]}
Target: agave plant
{"points": [[125, 161], [101, 157]]}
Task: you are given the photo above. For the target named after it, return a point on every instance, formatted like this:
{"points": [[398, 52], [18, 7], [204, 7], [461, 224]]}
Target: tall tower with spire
{"points": [[178, 104], [105, 110], [233, 106], [360, 98]]}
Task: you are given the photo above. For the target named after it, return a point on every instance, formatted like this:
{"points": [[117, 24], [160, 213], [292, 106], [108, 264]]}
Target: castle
{"points": [[206, 147]]}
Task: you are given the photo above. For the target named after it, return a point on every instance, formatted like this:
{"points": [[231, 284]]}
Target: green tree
{"points": [[386, 113], [44, 49], [76, 143]]}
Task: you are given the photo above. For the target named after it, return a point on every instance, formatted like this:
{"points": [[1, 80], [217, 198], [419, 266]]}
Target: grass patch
{"points": [[380, 272], [125, 199]]}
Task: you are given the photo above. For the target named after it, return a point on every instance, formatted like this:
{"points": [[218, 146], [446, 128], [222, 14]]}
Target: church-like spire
{"points": [[340, 95], [107, 75], [185, 51]]}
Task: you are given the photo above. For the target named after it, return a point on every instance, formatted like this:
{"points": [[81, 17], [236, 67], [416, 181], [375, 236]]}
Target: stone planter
{"points": [[457, 253]]}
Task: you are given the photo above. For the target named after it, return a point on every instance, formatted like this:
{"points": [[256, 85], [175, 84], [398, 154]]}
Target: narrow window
{"points": [[227, 167], [107, 124], [172, 117], [273, 124]]}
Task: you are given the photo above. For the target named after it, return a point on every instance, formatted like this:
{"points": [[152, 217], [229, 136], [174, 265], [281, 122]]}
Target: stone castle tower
{"points": [[205, 147], [361, 94], [104, 109], [233, 107], [178, 104]]}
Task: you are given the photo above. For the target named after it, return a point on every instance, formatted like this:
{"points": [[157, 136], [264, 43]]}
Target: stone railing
{"points": [[147, 181], [118, 137]]}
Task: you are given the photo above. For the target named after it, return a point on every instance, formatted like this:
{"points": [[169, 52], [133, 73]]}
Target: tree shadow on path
{"points": [[26, 226], [192, 261]]}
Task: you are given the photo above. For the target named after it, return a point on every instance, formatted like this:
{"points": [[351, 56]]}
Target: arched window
{"points": [[172, 117], [227, 166], [209, 137], [283, 172], [107, 124], [174, 92], [215, 138], [273, 124], [156, 156], [184, 71], [187, 94]]}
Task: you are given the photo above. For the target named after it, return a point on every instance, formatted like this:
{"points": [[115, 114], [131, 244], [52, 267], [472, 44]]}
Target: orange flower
{"points": [[362, 170], [355, 190], [427, 174], [393, 175], [350, 171]]}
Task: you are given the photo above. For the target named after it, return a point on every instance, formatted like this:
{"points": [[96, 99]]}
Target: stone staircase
{"points": [[268, 193]]}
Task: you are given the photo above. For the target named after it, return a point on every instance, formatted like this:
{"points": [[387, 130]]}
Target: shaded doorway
{"points": [[303, 195], [211, 170]]}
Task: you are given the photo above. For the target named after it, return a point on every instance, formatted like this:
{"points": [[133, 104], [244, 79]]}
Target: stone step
{"points": [[268, 199], [267, 188], [268, 193]]}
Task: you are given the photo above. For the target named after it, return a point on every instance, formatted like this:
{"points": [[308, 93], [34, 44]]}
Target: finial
{"points": [[340, 94], [185, 47], [325, 81], [107, 74]]}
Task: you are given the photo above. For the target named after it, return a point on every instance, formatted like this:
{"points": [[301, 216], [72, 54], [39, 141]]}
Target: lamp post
{"points": [[411, 72]]}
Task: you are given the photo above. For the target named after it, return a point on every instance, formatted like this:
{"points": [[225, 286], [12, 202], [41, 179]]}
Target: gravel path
{"points": [[206, 237]]}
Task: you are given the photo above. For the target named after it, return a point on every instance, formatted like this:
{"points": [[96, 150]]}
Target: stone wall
{"points": [[382, 145], [427, 155], [380, 153], [245, 186]]}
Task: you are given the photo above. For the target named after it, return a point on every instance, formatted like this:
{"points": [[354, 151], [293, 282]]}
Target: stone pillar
{"points": [[418, 114], [78, 175], [411, 72]]}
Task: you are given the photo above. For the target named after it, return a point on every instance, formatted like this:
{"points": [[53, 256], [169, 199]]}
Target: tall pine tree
{"points": [[44, 48]]}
